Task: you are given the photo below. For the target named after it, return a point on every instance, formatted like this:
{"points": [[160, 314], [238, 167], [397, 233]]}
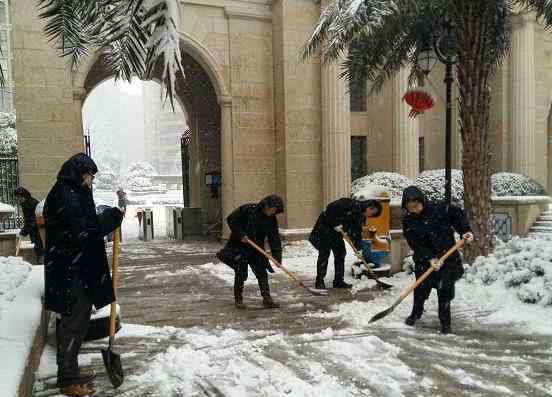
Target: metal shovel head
{"points": [[384, 313], [383, 284], [113, 366], [321, 292]]}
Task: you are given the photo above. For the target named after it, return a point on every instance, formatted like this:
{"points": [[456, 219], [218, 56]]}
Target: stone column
{"points": [[405, 130], [336, 132], [227, 161], [523, 83]]}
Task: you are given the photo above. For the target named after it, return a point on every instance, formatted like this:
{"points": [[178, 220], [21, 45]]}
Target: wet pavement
{"points": [[167, 284]]}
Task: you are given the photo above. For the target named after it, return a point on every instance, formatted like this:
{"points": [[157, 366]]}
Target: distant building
{"points": [[162, 130], [6, 102]]}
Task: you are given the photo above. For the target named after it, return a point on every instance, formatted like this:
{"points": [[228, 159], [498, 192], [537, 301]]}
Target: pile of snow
{"points": [[520, 268], [432, 183], [510, 184], [368, 186], [14, 272]]}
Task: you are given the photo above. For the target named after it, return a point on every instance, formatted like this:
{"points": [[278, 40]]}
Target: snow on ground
{"points": [[14, 272], [21, 289]]}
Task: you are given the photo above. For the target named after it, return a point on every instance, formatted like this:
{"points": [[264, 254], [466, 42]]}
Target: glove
{"points": [[359, 254], [468, 237], [436, 264], [339, 228]]}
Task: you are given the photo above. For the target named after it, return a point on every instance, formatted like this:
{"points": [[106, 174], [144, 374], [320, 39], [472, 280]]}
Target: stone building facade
{"points": [[271, 123]]}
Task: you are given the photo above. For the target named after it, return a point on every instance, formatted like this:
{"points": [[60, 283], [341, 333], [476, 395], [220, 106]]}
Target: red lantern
{"points": [[419, 100]]}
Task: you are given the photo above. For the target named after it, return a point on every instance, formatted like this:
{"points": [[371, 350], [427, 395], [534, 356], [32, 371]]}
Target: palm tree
{"points": [[135, 37], [377, 38]]}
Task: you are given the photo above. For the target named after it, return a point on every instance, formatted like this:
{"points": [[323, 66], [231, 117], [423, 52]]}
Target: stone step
{"points": [[545, 218], [540, 230], [543, 223]]}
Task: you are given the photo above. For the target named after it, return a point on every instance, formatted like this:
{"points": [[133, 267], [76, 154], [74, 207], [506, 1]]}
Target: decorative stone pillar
{"points": [[79, 95], [405, 130], [523, 83], [336, 133], [227, 161]]}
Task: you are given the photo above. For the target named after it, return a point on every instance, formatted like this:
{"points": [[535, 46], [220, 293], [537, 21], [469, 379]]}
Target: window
{"points": [[421, 158], [358, 96], [358, 157]]}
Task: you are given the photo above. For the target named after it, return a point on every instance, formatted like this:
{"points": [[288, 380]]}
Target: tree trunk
{"points": [[473, 74]]}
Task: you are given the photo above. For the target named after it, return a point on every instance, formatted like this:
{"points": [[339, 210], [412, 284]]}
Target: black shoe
{"points": [[268, 303], [411, 320], [446, 329], [342, 284], [319, 284]]}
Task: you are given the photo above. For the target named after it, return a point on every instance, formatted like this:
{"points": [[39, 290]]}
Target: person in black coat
{"points": [[255, 222], [429, 230], [351, 215], [28, 205], [76, 269]]}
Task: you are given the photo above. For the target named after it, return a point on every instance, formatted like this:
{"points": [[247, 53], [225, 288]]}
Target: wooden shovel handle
{"points": [[115, 276], [420, 280], [278, 264]]}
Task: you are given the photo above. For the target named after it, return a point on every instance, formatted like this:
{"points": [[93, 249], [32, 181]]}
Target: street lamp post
{"points": [[443, 49], [185, 158], [87, 150]]}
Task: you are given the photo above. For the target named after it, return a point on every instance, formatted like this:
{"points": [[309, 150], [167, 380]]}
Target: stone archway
{"points": [[203, 96]]}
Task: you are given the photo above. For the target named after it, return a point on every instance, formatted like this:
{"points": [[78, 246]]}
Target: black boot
{"points": [[342, 284], [238, 295], [268, 302], [444, 316], [416, 314], [319, 283]]}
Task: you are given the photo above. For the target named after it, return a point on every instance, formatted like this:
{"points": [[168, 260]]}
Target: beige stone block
{"points": [[253, 120], [254, 150], [254, 136], [245, 165]]}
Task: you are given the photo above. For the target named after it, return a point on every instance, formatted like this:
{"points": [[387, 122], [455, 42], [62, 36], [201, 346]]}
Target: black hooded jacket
{"points": [[249, 220], [431, 233], [75, 249], [346, 212], [29, 218]]}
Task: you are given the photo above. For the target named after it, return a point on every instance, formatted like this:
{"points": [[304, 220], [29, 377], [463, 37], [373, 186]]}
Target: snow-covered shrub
{"points": [[523, 266], [392, 182], [432, 183], [106, 180], [139, 175], [8, 134], [510, 184]]}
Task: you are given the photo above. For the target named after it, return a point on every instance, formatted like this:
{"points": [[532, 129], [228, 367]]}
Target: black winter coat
{"points": [[249, 220], [431, 234], [29, 219], [75, 247], [345, 212]]}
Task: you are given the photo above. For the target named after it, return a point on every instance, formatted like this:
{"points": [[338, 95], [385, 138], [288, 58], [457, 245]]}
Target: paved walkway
{"points": [[166, 284]]}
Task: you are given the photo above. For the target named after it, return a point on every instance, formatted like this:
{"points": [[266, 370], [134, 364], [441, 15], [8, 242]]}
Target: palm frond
{"points": [[65, 28], [543, 8], [161, 19], [379, 52]]}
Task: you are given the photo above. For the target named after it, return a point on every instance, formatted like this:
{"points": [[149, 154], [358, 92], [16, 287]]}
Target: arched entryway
{"points": [[204, 98]]}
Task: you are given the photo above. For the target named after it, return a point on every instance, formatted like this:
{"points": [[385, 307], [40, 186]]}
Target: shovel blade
{"points": [[384, 285], [382, 314], [320, 292], [113, 367]]}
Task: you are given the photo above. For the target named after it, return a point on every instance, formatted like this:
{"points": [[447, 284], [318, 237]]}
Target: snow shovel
{"points": [[346, 237], [17, 246], [314, 291], [112, 360], [415, 284]]}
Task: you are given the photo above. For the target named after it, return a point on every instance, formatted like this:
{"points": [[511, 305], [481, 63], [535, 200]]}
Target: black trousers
{"points": [[71, 330], [337, 246], [240, 259], [445, 294]]}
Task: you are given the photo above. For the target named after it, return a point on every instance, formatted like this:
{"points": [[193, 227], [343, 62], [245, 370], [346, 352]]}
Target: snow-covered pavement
{"points": [[192, 342]]}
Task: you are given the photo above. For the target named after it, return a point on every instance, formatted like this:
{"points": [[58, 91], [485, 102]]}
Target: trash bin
{"points": [[145, 219], [174, 222]]}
